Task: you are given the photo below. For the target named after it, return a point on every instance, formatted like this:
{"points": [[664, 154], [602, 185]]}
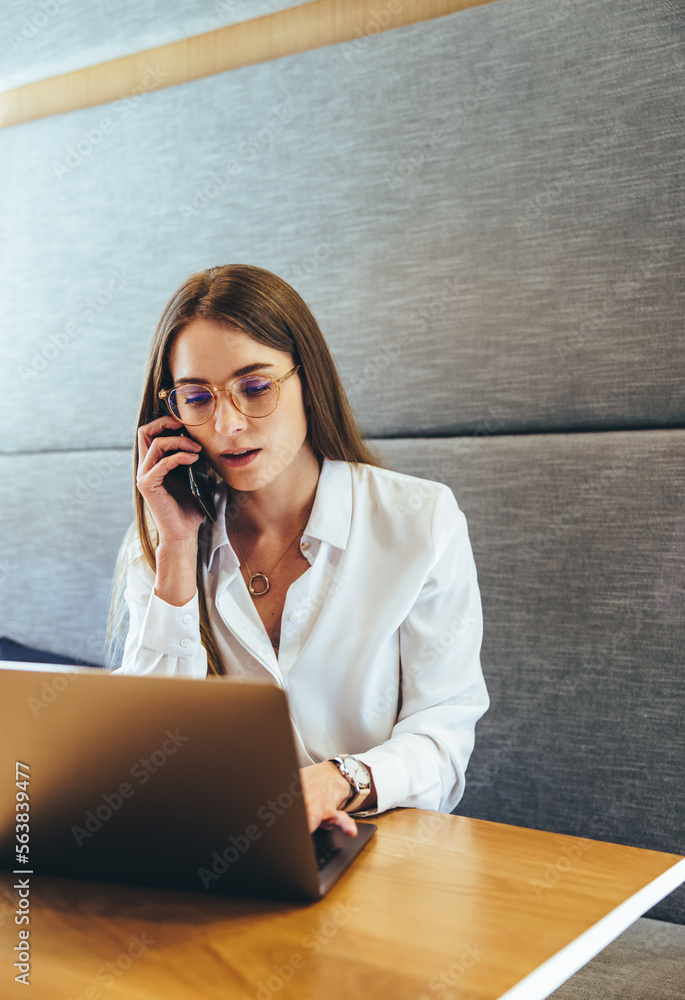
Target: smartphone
{"points": [[188, 482]]}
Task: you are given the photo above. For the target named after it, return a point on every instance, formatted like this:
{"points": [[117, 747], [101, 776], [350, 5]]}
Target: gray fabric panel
{"points": [[647, 962], [391, 180], [63, 519], [579, 542], [42, 38]]}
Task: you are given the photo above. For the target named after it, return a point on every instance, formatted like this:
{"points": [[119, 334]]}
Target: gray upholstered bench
{"points": [[647, 962]]}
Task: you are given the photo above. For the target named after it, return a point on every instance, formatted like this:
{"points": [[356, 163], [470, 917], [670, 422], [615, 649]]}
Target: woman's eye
{"points": [[255, 387], [197, 399]]}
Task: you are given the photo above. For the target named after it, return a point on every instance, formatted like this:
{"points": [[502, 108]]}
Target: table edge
{"points": [[538, 984]]}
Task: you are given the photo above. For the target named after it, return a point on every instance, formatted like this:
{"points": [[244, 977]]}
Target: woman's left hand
{"points": [[325, 790]]}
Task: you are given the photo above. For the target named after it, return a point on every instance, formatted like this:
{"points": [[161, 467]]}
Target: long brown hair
{"points": [[266, 308]]}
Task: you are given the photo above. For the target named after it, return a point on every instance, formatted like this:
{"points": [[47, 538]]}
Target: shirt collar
{"points": [[331, 514], [329, 520]]}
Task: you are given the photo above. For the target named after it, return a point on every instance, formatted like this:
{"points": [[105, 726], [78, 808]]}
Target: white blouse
{"points": [[380, 637]]}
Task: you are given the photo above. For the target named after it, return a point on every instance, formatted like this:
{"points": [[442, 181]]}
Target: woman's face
{"points": [[247, 452]]}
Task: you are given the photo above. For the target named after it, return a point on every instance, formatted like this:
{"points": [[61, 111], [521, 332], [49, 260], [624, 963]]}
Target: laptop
{"points": [[173, 782]]}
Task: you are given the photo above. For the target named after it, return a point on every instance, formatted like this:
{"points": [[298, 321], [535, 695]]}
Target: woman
{"points": [[350, 585]]}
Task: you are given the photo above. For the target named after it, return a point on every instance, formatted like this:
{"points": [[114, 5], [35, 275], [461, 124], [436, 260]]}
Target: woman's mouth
{"points": [[242, 457]]}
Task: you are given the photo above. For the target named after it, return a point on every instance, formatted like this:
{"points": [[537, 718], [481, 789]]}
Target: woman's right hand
{"points": [[177, 520]]}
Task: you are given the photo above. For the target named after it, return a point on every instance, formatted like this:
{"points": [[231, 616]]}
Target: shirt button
{"points": [[187, 619], [185, 642], [304, 546]]}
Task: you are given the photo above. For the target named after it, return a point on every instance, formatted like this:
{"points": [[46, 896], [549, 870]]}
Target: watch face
{"points": [[358, 771]]}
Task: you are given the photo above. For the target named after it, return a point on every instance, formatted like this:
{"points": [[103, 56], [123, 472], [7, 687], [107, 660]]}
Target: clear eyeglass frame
{"points": [[216, 389]]}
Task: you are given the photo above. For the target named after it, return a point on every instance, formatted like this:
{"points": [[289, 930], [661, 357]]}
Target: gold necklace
{"points": [[263, 576]]}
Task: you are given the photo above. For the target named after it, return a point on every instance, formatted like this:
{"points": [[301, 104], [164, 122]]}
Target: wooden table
{"points": [[436, 907]]}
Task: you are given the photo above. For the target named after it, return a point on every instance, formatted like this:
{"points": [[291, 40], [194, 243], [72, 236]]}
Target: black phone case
{"points": [[186, 478]]}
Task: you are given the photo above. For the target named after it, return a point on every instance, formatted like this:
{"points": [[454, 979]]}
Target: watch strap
{"points": [[357, 793]]}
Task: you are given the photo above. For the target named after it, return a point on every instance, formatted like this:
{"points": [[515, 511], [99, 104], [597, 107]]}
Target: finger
{"points": [[313, 820], [155, 426], [346, 823], [156, 475], [174, 442], [167, 444], [341, 819], [152, 473], [147, 432]]}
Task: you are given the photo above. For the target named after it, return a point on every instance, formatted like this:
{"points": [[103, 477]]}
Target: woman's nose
{"points": [[227, 417]]}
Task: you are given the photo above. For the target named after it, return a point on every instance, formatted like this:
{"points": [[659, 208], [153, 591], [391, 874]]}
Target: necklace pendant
{"points": [[267, 585]]}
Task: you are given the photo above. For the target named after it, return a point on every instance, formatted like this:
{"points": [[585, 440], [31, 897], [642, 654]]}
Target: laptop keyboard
{"points": [[324, 853]]}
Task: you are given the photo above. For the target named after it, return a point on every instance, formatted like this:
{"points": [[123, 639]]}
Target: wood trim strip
{"points": [[296, 29]]}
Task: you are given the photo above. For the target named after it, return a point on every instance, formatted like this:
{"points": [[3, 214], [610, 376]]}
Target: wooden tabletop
{"points": [[437, 906]]}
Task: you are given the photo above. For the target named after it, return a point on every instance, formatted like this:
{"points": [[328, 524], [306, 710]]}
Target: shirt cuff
{"points": [[388, 776], [171, 630]]}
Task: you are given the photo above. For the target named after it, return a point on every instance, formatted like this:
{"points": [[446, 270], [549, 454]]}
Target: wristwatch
{"points": [[359, 778]]}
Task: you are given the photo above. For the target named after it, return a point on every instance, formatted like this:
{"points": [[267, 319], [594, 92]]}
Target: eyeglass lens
{"points": [[254, 396]]}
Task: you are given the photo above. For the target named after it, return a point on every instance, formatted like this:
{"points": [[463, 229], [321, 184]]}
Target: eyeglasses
{"points": [[253, 395]]}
